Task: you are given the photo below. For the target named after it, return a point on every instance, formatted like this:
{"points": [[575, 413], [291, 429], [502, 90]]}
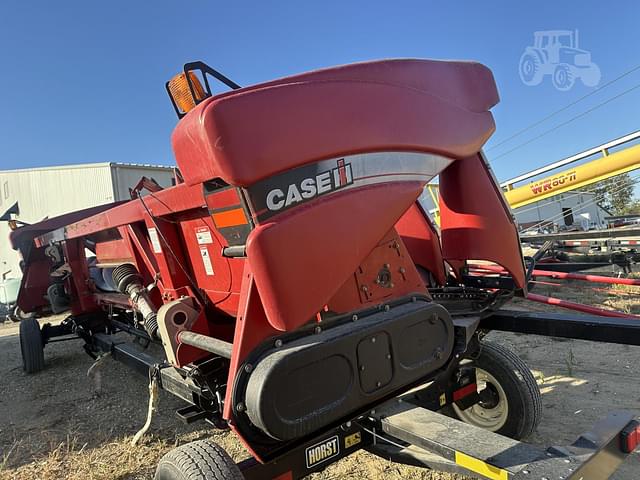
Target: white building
{"points": [[577, 209], [51, 191]]}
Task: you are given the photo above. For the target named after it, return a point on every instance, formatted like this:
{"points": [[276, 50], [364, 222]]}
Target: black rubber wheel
{"points": [[19, 315], [31, 345], [201, 460], [512, 404]]}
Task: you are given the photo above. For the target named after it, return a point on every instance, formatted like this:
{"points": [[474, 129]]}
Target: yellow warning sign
{"points": [[353, 439]]}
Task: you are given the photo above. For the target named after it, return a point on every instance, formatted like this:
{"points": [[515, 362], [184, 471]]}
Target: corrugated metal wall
{"points": [[48, 192], [126, 176], [550, 209]]}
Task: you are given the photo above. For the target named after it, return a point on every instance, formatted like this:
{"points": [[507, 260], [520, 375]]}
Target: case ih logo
{"points": [[322, 451], [547, 185], [310, 187]]}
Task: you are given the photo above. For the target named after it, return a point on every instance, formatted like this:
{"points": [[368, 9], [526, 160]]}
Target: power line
{"points": [[566, 107], [586, 112]]}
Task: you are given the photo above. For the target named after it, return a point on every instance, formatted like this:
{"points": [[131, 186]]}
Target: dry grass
{"points": [[89, 436]]}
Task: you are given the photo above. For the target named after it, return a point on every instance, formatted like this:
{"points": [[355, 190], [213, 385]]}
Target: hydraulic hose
{"points": [[129, 281]]}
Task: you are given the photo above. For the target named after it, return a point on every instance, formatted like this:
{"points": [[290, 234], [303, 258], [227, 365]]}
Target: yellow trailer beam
{"points": [[589, 173]]}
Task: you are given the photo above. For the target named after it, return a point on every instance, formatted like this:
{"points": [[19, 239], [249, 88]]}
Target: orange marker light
{"points": [[179, 89]]}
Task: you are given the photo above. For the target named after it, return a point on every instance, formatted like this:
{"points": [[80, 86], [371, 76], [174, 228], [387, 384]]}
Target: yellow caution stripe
{"points": [[480, 467]]}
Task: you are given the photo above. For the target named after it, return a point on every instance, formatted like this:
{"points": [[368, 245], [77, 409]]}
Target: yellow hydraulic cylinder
{"points": [[592, 172]]}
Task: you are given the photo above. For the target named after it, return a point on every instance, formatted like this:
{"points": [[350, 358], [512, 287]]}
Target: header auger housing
{"points": [[291, 277]]}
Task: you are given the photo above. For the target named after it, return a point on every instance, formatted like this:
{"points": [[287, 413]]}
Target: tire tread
{"points": [[31, 345], [199, 460], [506, 358]]}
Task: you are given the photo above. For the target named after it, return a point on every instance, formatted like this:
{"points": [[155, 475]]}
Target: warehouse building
{"points": [[42, 193], [567, 210]]}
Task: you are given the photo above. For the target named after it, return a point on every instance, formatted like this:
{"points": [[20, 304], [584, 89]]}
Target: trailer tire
{"points": [[200, 460], [19, 315], [31, 345], [515, 389]]}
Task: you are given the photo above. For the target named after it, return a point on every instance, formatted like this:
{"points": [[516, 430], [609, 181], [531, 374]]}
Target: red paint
{"points": [[465, 391], [422, 241], [579, 307], [318, 255], [298, 269], [400, 105], [566, 276], [475, 221]]}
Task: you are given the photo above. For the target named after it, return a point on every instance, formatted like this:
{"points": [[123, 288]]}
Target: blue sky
{"points": [[83, 81]]}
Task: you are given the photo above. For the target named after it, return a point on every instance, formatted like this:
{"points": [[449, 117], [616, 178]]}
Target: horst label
{"points": [[322, 451]]}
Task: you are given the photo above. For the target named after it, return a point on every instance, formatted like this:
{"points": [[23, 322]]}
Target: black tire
{"points": [[521, 392], [201, 460], [31, 345], [19, 315]]}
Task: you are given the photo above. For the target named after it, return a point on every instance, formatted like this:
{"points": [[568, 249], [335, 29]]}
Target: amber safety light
{"points": [[181, 93]]}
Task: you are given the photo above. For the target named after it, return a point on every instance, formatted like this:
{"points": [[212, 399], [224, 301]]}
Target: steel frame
{"points": [[408, 429]]}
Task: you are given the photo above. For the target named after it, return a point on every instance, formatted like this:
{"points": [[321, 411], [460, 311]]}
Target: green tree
{"points": [[615, 194], [632, 209]]}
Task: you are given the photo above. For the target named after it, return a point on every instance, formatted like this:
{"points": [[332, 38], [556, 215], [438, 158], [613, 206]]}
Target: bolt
{"points": [[378, 384], [386, 265], [348, 424], [318, 329], [248, 368], [354, 317], [373, 412], [362, 368], [373, 339], [386, 308], [364, 288], [240, 407], [414, 299], [402, 270], [391, 285], [278, 343], [388, 356]]}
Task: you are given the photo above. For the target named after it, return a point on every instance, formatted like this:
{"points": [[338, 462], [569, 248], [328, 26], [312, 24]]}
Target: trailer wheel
{"points": [[31, 345], [19, 314], [512, 403], [200, 460]]}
